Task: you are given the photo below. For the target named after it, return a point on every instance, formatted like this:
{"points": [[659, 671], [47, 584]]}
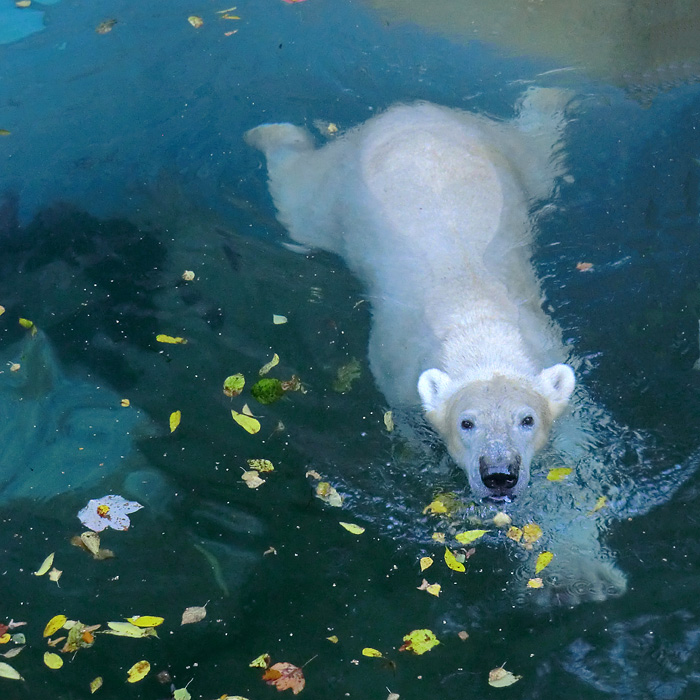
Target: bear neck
{"points": [[484, 345]]}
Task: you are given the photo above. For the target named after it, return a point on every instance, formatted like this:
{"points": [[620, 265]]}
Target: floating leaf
{"points": [[584, 266], [5, 638], [45, 566], [328, 494], [419, 641], [2, 308], [389, 421], [374, 653], [500, 678], [26, 323], [175, 417], [92, 541], [600, 503], [285, 676], [543, 560], [502, 519], [248, 423], [12, 652], [5, 132], [531, 533], [252, 479], [452, 562], [234, 384], [276, 318], [55, 574], [535, 583], [52, 660], [146, 620], [425, 562], [96, 684], [126, 629], [106, 26], [463, 635], [514, 533], [432, 588], [436, 507], [333, 639], [196, 613], [54, 624], [125, 403], [138, 671], [195, 21], [188, 275], [469, 536], [351, 527], [161, 338], [262, 661], [346, 375], [267, 391], [261, 465], [559, 473], [6, 671], [439, 537], [269, 365], [182, 694]]}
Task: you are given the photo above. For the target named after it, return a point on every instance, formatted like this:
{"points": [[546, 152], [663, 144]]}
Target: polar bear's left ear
{"points": [[432, 386], [557, 384]]}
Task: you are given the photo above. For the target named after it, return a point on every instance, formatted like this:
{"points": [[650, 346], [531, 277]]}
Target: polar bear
{"points": [[430, 207]]}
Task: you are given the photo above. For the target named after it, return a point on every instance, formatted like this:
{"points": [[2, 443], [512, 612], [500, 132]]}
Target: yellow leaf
{"points": [[26, 323], [600, 503], [419, 641], [126, 629], [389, 421], [432, 588], [500, 678], [514, 533], [543, 560], [188, 275], [333, 638], [535, 583], [45, 566], [452, 562], [262, 661], [161, 338], [195, 21], [175, 417], [6, 671], [138, 671], [96, 684], [252, 479], [261, 465], [54, 624], [145, 620], [52, 660], [5, 638], [269, 365], [91, 540], [439, 536], [425, 562], [351, 527], [248, 423], [368, 651], [55, 574], [531, 532], [277, 319], [328, 494], [559, 473], [502, 519], [125, 403], [436, 506], [469, 536]]}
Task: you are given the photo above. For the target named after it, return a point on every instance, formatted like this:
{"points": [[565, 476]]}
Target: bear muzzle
{"points": [[499, 475]]}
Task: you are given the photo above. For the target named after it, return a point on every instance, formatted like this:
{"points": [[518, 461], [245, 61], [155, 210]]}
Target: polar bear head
{"points": [[493, 427]]}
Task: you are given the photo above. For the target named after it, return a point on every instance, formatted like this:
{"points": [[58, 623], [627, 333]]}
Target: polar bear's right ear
{"points": [[432, 387], [557, 383]]}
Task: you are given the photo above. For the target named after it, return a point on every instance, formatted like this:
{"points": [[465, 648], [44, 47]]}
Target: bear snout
{"points": [[499, 475]]}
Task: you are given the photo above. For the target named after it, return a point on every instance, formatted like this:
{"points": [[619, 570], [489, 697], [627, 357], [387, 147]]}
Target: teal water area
{"points": [[124, 167]]}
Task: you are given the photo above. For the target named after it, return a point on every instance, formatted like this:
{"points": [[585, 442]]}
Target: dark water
{"points": [[124, 167]]}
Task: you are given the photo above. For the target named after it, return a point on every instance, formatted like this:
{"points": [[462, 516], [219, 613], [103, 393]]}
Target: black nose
{"points": [[499, 475]]}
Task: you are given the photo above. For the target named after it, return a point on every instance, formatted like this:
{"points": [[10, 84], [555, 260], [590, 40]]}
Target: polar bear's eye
{"points": [[467, 424], [527, 422]]}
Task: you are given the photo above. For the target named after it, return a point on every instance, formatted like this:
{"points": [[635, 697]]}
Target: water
{"points": [[124, 167]]}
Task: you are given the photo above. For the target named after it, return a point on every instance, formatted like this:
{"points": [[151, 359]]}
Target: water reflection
{"points": [[645, 47]]}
